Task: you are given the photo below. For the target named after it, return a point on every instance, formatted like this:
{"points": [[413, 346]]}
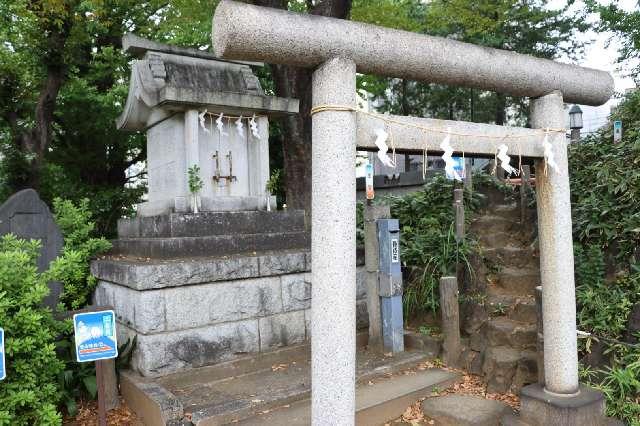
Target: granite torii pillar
{"points": [[336, 49]]}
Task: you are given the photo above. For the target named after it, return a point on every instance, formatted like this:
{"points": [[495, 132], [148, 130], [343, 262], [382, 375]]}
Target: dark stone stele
{"points": [[25, 215]]}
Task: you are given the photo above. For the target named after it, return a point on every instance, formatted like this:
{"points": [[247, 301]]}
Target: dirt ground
{"points": [[88, 416]]}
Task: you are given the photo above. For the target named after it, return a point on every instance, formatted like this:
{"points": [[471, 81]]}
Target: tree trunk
{"points": [[295, 82], [35, 142], [501, 109]]}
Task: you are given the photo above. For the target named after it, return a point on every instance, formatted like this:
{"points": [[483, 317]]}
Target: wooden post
{"points": [[111, 398], [540, 334], [449, 309], [525, 176], [371, 254], [100, 381]]}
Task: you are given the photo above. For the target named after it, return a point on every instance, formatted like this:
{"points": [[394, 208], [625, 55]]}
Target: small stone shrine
{"points": [[197, 289], [200, 111]]}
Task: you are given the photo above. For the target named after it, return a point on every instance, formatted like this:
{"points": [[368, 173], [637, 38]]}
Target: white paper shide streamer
{"points": [[505, 160], [548, 153], [254, 127], [240, 127], [201, 117], [381, 138], [220, 125], [449, 163]]}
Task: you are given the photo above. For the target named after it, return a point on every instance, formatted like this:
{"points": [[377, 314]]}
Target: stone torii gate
{"points": [[337, 49]]}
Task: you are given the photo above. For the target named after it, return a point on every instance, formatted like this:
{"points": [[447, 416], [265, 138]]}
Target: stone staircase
{"points": [[502, 326], [274, 388]]}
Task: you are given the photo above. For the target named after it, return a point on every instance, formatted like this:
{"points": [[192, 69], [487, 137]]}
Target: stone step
{"points": [[488, 223], [464, 410], [515, 307], [376, 403], [502, 331], [218, 245], [211, 223], [501, 239], [518, 280], [507, 369], [511, 419], [512, 255], [506, 210], [236, 391]]}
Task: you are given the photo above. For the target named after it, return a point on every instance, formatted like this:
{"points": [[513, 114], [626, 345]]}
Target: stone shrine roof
{"points": [[167, 79]]}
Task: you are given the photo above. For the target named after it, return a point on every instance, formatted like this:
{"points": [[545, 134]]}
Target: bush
{"points": [[29, 395], [72, 267], [605, 190], [428, 243]]}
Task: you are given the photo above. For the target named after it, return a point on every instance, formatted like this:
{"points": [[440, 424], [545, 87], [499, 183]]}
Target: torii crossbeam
{"points": [[336, 49]]}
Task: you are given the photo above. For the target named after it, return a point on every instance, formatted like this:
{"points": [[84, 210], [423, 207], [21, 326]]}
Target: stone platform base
{"points": [[273, 388], [540, 408], [189, 313]]}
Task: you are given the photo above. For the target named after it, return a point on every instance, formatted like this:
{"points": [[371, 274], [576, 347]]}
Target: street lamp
{"points": [[575, 122]]}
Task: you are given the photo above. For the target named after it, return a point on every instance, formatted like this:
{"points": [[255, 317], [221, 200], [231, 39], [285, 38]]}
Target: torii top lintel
{"points": [[248, 32]]}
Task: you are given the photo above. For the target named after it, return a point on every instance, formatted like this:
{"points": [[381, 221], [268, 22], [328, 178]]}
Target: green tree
{"points": [[529, 27], [64, 80], [625, 26]]}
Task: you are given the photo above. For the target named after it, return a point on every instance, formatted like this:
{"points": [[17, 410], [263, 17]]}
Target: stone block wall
{"points": [[195, 312]]}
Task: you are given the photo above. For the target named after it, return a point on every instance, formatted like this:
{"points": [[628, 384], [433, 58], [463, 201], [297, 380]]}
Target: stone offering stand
{"points": [[190, 308]]}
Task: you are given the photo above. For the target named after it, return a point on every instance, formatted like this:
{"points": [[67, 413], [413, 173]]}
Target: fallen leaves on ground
{"points": [[473, 385], [469, 384], [88, 416]]}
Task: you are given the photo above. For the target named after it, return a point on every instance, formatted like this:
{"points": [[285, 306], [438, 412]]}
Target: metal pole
{"points": [[458, 207], [333, 246], [102, 410], [525, 175]]}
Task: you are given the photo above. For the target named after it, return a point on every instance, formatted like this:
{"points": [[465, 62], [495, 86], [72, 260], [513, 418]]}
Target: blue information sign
{"points": [[95, 334], [458, 167], [3, 369]]}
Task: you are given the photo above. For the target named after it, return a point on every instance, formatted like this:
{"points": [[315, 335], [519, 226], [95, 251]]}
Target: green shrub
{"points": [[30, 394], [605, 191], [72, 267], [428, 241]]}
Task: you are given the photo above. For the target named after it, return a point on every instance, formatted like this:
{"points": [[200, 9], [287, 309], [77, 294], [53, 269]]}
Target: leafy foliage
{"points": [[428, 240], [605, 184], [530, 27], [30, 393], [625, 26], [605, 188], [195, 182], [72, 267]]}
